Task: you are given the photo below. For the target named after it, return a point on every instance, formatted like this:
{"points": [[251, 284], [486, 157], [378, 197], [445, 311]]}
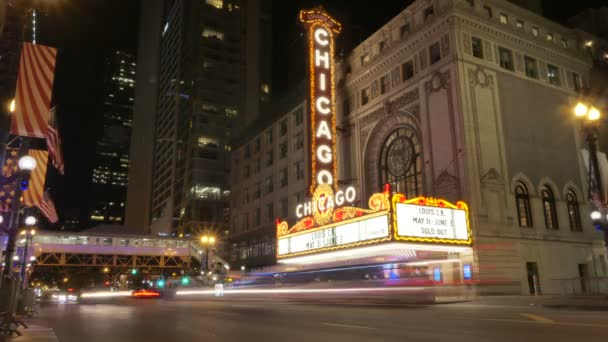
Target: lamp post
{"points": [[589, 115], [26, 164], [207, 241], [29, 235]]}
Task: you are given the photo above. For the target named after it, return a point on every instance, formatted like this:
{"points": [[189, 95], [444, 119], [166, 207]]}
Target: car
{"points": [[145, 293]]}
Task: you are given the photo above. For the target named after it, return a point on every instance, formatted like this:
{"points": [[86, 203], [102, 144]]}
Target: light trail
{"points": [[106, 294], [301, 291]]}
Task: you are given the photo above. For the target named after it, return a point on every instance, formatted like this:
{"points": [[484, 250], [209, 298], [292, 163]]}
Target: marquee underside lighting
{"points": [[378, 250]]}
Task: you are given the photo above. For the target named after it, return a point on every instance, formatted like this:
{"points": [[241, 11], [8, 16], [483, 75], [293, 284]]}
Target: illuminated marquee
{"points": [[427, 219], [321, 31]]}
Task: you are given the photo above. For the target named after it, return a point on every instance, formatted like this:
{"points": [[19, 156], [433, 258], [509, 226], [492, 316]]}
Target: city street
{"points": [[247, 320]]}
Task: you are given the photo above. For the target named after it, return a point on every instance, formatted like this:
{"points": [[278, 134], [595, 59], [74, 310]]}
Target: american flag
{"points": [[53, 143], [7, 192], [47, 207], [34, 88], [33, 195]]}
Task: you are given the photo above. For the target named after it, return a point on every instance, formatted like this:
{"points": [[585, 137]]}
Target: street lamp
{"points": [[26, 163], [207, 241], [29, 236], [30, 220], [589, 115]]}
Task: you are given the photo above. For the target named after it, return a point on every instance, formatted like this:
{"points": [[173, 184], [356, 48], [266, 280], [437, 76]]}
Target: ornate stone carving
{"points": [[447, 186], [438, 81], [423, 59], [492, 179], [390, 106], [466, 43], [395, 76], [479, 77], [375, 89], [445, 45], [487, 51], [519, 62]]}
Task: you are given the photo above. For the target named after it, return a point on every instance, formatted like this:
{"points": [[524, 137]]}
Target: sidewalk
{"points": [[591, 302], [35, 332]]}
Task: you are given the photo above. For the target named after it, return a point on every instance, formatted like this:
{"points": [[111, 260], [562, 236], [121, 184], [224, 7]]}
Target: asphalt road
{"points": [[247, 320]]}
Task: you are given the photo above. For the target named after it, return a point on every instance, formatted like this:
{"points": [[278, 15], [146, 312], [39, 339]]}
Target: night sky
{"points": [[84, 30]]}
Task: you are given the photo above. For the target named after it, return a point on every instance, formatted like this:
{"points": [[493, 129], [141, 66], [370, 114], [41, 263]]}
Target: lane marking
{"points": [[223, 313], [538, 318], [573, 324], [347, 326]]}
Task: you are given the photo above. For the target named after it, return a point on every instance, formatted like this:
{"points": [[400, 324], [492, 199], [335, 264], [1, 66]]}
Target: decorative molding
{"points": [[492, 179], [447, 186], [395, 76], [438, 81], [389, 107], [479, 77], [536, 46]]}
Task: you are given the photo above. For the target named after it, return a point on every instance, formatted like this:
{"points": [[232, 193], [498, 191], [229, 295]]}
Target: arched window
{"points": [[401, 162], [524, 212], [574, 215], [549, 208]]}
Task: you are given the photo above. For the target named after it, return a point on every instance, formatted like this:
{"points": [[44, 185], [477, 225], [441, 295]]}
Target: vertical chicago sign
{"points": [[321, 31]]}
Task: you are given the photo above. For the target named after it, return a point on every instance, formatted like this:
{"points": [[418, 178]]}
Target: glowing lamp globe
{"points": [[1, 219], [596, 215], [594, 114], [30, 220], [27, 163], [580, 110]]}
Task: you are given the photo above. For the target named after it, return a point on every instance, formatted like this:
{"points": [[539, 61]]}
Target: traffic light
{"points": [[24, 184], [133, 271], [160, 283], [185, 281]]}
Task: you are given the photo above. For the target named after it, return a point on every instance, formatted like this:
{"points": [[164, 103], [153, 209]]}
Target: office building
{"points": [[111, 165], [202, 91]]}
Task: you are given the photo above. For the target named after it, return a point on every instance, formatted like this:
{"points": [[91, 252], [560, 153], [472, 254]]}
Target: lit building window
{"points": [[265, 88], [364, 59], [211, 33], [564, 43], [531, 67], [219, 4], [574, 214], [519, 24], [535, 31], [550, 37], [524, 211], [549, 209], [506, 58], [504, 19], [231, 112], [207, 142], [553, 75], [205, 192]]}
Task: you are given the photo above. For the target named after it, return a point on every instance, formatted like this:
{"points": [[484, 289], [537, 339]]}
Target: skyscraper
{"points": [[108, 195], [137, 218], [208, 52]]}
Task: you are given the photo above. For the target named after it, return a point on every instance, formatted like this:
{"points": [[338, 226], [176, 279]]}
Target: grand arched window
{"points": [[549, 208], [401, 162], [574, 215], [524, 212]]}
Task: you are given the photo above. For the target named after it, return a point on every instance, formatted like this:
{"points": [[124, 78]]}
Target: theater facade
{"points": [[444, 140]]}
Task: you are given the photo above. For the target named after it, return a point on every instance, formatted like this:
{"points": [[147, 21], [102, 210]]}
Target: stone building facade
{"points": [[472, 100]]}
